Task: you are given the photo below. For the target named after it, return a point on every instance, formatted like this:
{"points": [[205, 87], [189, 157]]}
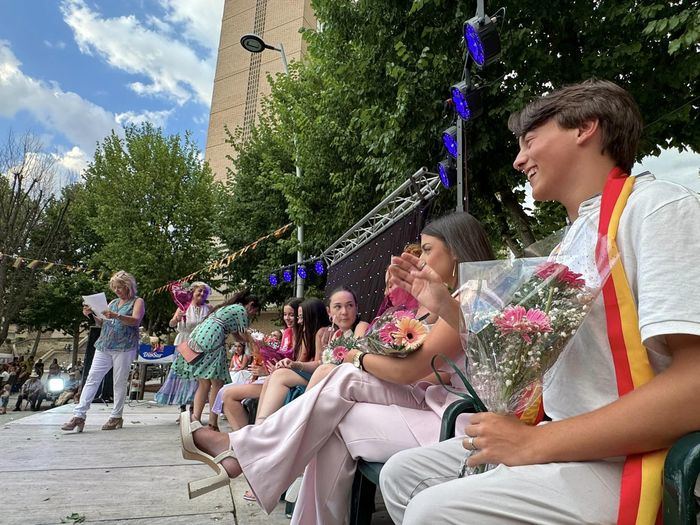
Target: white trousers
{"points": [[420, 486], [101, 364]]}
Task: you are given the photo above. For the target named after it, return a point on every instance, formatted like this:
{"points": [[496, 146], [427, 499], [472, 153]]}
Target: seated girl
{"points": [[342, 310], [371, 407]]}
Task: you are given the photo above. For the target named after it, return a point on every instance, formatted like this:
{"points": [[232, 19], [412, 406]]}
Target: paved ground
{"points": [[135, 475]]}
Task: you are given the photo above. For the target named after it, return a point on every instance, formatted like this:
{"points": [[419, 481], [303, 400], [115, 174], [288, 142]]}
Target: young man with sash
{"points": [[627, 386]]}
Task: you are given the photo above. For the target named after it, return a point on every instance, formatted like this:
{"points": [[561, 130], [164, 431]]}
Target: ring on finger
{"points": [[471, 443], [421, 265]]}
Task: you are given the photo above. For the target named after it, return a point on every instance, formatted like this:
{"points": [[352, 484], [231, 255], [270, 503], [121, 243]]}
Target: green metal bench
{"points": [[364, 485], [681, 471]]}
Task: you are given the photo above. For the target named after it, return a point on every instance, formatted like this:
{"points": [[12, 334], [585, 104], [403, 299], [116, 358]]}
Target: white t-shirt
{"points": [[659, 244]]}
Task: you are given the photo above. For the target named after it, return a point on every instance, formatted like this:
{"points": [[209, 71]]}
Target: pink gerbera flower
{"points": [[400, 314], [339, 353], [561, 273], [410, 333], [386, 333], [516, 319]]}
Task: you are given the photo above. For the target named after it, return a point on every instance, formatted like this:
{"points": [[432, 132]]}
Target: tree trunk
{"points": [[520, 219], [35, 347]]}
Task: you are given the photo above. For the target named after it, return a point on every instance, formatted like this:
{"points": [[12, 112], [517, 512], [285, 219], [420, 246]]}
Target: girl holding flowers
{"points": [[370, 407], [345, 322]]}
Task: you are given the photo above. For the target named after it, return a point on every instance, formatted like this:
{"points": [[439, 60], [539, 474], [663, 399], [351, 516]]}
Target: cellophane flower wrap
{"points": [[518, 316], [336, 350], [396, 332], [265, 349]]}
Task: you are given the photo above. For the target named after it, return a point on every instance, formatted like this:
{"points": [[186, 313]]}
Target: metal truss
{"points": [[417, 189]]}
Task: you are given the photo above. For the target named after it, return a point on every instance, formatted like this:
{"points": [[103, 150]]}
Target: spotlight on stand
{"points": [[482, 39], [448, 172], [319, 267], [466, 100], [301, 272], [274, 281], [287, 275], [449, 139]]}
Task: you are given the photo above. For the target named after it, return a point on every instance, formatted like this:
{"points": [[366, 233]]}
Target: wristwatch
{"points": [[357, 360]]}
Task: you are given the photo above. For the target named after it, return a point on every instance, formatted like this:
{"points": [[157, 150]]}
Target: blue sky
{"points": [[73, 70]]}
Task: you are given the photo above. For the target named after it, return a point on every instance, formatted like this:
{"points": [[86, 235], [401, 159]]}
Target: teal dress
{"points": [[209, 338]]}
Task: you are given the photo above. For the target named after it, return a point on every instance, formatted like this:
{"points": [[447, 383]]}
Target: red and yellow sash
{"points": [[641, 488]]}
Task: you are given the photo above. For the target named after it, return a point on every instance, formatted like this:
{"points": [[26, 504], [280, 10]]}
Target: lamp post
{"points": [[255, 44]]}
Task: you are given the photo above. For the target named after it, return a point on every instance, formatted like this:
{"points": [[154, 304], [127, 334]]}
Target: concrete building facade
{"points": [[240, 82]]}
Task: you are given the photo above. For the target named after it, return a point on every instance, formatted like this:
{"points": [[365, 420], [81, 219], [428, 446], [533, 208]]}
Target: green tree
{"points": [[366, 106], [150, 201]]}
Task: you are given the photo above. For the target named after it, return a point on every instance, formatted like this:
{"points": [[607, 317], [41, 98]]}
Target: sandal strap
{"points": [[225, 454], [195, 425]]}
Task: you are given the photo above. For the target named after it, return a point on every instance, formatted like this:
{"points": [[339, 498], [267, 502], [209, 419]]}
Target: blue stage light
{"points": [[482, 39], [449, 139], [467, 100], [301, 272], [448, 173], [273, 279], [287, 275], [319, 267]]}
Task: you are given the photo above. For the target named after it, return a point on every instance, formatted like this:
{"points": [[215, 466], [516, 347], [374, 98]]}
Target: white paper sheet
{"points": [[97, 303]]}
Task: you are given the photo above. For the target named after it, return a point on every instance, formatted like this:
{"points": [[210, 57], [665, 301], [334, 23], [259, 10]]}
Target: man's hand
{"points": [[500, 439]]}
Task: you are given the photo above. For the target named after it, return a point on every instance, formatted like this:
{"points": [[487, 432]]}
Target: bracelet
{"points": [[361, 359]]}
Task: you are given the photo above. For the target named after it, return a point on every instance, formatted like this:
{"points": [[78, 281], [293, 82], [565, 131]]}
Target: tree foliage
{"points": [[149, 201], [366, 106]]}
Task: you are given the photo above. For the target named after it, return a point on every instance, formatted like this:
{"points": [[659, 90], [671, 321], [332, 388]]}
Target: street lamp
{"points": [[255, 44]]}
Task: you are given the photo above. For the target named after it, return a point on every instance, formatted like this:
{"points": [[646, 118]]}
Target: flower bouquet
{"points": [[396, 332], [335, 351], [517, 318]]}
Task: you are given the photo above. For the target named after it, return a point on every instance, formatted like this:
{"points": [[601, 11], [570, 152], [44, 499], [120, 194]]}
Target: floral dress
{"points": [[209, 338]]}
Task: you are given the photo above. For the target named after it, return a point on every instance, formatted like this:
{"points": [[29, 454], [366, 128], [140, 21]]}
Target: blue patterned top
{"points": [[210, 334], [117, 336]]}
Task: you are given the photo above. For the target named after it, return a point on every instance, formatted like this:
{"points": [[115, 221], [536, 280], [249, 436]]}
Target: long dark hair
{"points": [[344, 288], [294, 303], [243, 297], [463, 235], [315, 318]]}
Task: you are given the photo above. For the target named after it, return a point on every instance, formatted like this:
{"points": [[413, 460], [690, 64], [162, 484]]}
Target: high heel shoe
{"points": [[191, 451], [75, 422], [113, 423]]}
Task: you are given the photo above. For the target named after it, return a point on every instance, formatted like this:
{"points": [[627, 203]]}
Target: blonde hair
{"points": [[122, 277], [205, 286]]}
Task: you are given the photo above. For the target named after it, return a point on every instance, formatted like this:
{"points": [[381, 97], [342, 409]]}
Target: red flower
{"points": [[561, 273]]}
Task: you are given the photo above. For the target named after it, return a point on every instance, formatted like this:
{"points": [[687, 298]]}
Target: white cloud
{"points": [[174, 70], [157, 118], [59, 44], [74, 160], [201, 19], [78, 120]]}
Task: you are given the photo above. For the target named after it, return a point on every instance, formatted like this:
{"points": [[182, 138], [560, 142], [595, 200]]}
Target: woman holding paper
{"points": [[116, 348]]}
